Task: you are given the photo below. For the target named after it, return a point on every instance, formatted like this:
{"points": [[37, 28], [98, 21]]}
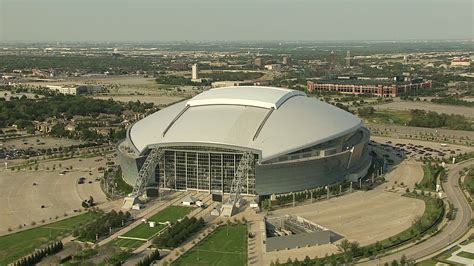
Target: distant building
{"points": [[75, 89], [229, 83], [195, 73], [71, 90], [286, 60], [332, 60], [380, 89], [405, 59], [46, 126], [273, 67], [116, 53], [461, 62], [348, 59], [70, 127], [258, 61], [179, 66]]}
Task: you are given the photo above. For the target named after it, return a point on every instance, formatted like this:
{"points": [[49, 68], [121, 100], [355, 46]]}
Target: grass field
{"points": [[220, 248], [430, 174], [391, 117], [469, 181], [19, 244], [127, 243], [467, 255], [171, 214]]}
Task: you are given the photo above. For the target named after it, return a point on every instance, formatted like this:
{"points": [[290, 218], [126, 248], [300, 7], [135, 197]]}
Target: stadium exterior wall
{"points": [[284, 177]]}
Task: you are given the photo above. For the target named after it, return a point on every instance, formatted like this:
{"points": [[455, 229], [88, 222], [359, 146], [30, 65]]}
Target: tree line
{"points": [[155, 255], [179, 232], [38, 255], [430, 119], [102, 226], [23, 111]]}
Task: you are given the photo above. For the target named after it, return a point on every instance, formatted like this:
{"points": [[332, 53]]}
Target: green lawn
{"points": [[469, 181], [430, 174], [391, 117], [467, 255], [171, 214], [226, 246], [19, 244], [127, 243]]}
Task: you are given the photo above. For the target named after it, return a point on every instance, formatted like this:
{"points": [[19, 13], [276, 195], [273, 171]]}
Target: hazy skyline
{"points": [[225, 20]]}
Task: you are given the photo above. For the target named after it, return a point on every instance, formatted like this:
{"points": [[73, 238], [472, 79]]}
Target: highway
{"points": [[453, 230]]}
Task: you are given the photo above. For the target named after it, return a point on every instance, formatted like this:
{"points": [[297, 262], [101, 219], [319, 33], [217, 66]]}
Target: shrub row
{"points": [[38, 255], [179, 232]]}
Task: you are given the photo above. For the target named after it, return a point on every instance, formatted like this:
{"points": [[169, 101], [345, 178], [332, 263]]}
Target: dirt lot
{"points": [[405, 175], [365, 217], [39, 142], [439, 108], [60, 194]]}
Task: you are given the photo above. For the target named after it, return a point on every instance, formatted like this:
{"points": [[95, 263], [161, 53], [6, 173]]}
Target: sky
{"points": [[234, 20]]}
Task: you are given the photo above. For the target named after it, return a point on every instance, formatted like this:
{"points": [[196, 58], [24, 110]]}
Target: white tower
{"points": [[195, 75]]}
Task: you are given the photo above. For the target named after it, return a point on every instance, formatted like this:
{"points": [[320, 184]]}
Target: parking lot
{"points": [[15, 148], [361, 216], [418, 149], [29, 196]]}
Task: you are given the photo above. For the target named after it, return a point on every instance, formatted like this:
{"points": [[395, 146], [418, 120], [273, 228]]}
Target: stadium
{"points": [[296, 142]]}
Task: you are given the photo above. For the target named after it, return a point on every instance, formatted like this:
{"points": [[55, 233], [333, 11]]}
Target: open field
{"points": [[58, 194], [387, 116], [38, 142], [171, 214], [439, 108], [365, 217], [226, 246], [19, 244]]}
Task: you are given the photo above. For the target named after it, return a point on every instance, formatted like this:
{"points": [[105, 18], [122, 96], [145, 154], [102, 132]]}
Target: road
{"points": [[452, 232]]}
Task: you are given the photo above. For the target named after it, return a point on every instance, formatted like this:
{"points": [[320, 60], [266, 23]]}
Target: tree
{"points": [[344, 246], [354, 247], [403, 260], [366, 112]]}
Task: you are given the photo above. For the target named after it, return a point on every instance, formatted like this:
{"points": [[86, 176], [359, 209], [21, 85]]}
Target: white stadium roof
{"points": [[268, 97], [273, 121]]}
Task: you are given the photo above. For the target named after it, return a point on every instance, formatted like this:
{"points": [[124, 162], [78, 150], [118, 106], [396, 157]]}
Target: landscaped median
{"points": [[143, 232], [227, 245]]}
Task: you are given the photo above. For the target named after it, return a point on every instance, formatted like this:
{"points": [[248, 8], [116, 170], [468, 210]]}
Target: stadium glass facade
{"points": [[201, 168]]}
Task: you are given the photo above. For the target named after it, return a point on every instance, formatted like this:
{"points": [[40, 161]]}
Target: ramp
{"points": [[128, 202], [227, 210]]}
